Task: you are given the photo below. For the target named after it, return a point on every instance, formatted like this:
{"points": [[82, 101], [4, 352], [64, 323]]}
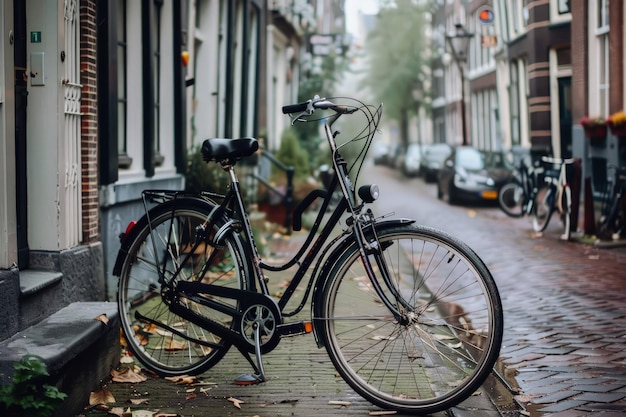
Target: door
{"points": [[565, 116], [21, 100]]}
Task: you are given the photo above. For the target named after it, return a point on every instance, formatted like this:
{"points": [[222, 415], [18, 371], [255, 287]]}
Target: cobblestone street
{"points": [[564, 349]]}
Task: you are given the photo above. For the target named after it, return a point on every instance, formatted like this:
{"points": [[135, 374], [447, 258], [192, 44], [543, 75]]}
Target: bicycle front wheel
{"points": [[163, 341], [449, 335], [511, 199], [543, 208]]}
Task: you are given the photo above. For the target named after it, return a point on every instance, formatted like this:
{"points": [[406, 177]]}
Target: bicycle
{"points": [[517, 197], [612, 223], [554, 195], [410, 317]]}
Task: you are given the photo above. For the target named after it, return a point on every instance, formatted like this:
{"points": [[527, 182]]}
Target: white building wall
{"points": [[8, 233]]}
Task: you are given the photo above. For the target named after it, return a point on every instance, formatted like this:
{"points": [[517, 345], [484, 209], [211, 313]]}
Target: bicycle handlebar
{"points": [[552, 160], [309, 106]]}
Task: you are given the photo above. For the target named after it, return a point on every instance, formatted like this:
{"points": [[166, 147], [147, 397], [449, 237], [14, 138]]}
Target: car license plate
{"points": [[490, 195]]}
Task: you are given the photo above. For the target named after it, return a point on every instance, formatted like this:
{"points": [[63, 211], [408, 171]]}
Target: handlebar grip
{"points": [[295, 108]]}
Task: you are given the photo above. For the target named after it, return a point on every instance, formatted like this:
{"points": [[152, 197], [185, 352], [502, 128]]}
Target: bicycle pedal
{"points": [[248, 379]]}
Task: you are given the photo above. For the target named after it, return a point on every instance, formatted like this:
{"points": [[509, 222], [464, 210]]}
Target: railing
{"points": [[285, 196]]}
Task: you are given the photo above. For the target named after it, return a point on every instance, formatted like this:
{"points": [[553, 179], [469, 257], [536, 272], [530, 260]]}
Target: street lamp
{"points": [[459, 44]]}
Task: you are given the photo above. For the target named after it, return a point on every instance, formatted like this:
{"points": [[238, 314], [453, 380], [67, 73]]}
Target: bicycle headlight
{"points": [[369, 193]]}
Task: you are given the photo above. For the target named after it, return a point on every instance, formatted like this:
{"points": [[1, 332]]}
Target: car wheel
{"points": [[439, 192]]}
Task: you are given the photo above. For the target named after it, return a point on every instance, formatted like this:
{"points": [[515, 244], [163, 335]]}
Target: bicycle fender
{"points": [[345, 244], [127, 238]]}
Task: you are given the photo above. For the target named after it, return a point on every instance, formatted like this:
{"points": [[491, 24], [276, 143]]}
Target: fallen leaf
{"points": [[236, 402], [382, 413], [471, 214], [182, 379], [102, 396], [345, 403], [594, 257], [143, 413], [126, 359], [139, 401], [127, 375], [103, 318], [191, 396], [120, 412]]}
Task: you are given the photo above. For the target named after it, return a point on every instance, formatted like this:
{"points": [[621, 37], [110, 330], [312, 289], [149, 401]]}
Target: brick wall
{"points": [[89, 128]]}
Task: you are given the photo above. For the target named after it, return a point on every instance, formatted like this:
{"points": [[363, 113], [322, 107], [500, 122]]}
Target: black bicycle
{"points": [[410, 316], [554, 195], [612, 224], [517, 197]]}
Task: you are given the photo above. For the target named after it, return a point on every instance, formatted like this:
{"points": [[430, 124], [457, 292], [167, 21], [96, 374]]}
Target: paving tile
{"points": [[557, 396], [596, 388], [562, 406], [604, 397]]}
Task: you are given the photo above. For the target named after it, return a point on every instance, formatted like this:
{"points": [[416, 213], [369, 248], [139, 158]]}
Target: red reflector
{"points": [[130, 227]]}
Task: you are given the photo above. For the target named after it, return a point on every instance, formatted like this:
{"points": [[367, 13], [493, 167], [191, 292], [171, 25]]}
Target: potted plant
{"points": [[595, 129], [617, 123]]}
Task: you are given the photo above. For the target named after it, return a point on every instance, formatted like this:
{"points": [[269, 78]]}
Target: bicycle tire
{"points": [[511, 199], [454, 334], [163, 350], [543, 207]]}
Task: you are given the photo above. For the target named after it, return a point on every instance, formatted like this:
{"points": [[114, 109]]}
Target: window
{"points": [[156, 54], [602, 59], [124, 161]]}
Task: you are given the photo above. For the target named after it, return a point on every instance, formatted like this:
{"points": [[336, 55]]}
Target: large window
{"points": [[124, 160], [603, 58], [156, 53]]}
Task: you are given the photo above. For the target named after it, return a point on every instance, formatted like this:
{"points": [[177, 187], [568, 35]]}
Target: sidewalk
{"points": [[302, 380]]}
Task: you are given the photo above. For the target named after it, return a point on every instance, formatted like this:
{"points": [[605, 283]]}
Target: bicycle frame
{"points": [[231, 207]]}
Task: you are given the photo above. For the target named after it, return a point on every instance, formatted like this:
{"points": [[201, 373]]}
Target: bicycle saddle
{"points": [[219, 149]]}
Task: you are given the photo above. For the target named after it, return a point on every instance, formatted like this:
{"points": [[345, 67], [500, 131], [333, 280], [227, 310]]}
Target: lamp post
{"points": [[459, 44]]}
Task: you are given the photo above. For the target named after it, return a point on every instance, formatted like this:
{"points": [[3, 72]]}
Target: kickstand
{"points": [[259, 375]]}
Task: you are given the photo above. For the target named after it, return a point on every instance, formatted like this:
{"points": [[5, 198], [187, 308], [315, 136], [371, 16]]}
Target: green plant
{"points": [[29, 394], [292, 154], [202, 176]]}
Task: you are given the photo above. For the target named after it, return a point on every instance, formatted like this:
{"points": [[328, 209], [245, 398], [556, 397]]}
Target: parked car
{"points": [[433, 158], [393, 155], [379, 152], [469, 174], [412, 159]]}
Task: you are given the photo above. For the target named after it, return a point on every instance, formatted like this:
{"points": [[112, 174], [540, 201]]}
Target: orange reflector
{"points": [[490, 195], [308, 326]]}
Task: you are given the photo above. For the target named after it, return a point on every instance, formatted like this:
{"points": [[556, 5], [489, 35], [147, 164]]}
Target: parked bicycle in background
{"points": [[612, 224], [554, 196], [410, 317], [517, 198]]}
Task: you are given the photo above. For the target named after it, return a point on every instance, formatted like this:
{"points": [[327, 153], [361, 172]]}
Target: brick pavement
{"points": [[564, 344], [302, 382]]}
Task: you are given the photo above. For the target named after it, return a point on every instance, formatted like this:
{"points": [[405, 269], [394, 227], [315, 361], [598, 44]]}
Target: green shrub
{"points": [[29, 394], [292, 154], [202, 176]]}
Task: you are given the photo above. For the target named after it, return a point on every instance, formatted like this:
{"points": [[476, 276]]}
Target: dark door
{"points": [[21, 97], [565, 116]]}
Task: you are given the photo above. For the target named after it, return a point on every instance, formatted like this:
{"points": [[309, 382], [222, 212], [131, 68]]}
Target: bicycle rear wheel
{"points": [[163, 341], [511, 199], [543, 207], [451, 332]]}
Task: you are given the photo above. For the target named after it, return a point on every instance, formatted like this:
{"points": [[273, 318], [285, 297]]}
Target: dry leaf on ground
{"points": [[103, 318], [127, 375], [102, 396], [236, 402], [182, 380]]}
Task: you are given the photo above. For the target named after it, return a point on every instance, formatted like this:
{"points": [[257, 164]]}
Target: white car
{"points": [[412, 160]]}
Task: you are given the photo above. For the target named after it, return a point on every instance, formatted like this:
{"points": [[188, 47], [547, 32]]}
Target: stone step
{"points": [[78, 349]]}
